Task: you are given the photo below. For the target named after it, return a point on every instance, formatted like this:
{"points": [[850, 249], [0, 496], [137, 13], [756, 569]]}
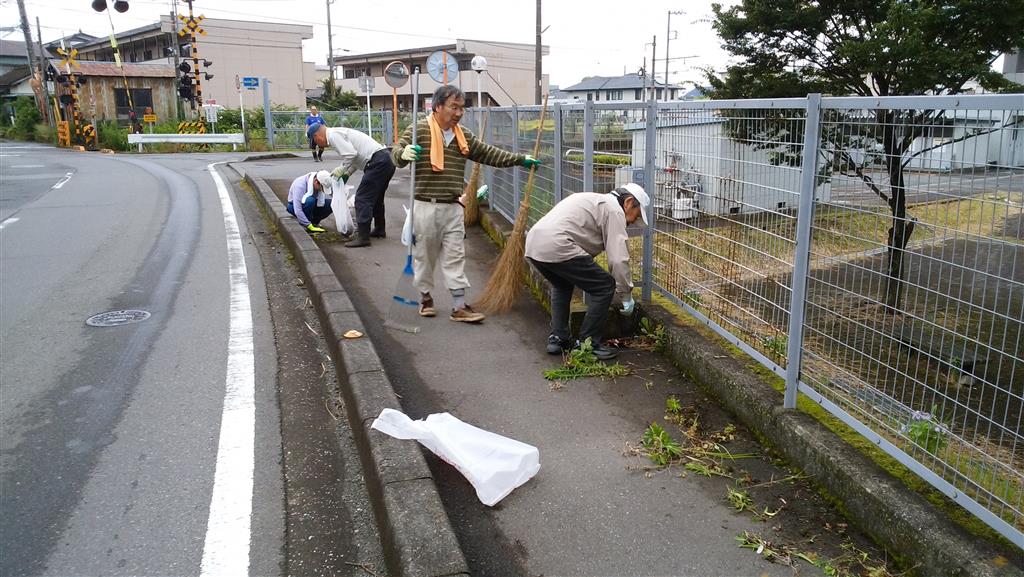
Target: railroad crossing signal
{"points": [[67, 57], [191, 24]]}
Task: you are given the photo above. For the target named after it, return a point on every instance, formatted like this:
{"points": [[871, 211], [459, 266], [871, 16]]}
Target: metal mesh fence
{"points": [[290, 126], [906, 214], [725, 188], [915, 300]]}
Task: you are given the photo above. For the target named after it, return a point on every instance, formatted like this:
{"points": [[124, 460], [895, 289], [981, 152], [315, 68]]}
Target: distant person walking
{"points": [[313, 122]]}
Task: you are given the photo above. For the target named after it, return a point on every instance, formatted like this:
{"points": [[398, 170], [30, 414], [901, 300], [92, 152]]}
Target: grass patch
{"points": [[581, 362]]}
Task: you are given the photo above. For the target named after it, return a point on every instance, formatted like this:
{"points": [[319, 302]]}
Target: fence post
{"points": [[588, 146], [556, 162], [268, 118], [802, 254], [650, 145], [516, 194]]}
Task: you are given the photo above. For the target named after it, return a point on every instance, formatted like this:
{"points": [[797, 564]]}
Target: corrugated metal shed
{"points": [[131, 69]]}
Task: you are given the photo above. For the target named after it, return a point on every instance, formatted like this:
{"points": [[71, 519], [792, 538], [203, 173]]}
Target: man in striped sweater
{"points": [[440, 153]]}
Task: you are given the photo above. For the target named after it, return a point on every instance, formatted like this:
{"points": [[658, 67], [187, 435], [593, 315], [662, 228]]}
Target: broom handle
{"points": [[412, 173], [536, 150]]}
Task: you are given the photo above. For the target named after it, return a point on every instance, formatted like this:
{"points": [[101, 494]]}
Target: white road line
{"points": [[9, 221], [63, 181], [26, 166], [226, 550]]}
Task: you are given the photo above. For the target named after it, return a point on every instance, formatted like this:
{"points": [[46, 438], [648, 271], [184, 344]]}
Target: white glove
{"points": [[627, 306], [411, 152]]}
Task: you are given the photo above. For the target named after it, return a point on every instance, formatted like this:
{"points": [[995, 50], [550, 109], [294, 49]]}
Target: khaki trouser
{"points": [[440, 232]]}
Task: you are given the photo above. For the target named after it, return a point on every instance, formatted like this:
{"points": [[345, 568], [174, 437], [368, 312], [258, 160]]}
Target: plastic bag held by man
{"points": [[493, 464], [342, 214]]}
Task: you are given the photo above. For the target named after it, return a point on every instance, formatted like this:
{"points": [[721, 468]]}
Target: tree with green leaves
{"points": [[334, 98], [790, 48]]}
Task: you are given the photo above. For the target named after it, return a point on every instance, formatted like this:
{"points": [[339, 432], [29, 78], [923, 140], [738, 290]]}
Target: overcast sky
{"points": [[596, 38]]}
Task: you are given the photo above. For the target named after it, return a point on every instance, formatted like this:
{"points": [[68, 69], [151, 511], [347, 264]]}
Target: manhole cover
{"points": [[117, 318]]}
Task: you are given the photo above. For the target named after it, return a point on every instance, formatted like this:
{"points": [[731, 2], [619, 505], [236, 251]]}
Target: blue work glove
{"points": [[340, 173], [627, 306], [314, 228], [412, 152], [530, 162]]}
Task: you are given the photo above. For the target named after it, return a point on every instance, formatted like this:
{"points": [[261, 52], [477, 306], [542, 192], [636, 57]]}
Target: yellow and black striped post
{"points": [[192, 127]]}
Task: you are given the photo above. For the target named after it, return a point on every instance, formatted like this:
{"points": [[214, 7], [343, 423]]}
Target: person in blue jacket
{"points": [[313, 122]]}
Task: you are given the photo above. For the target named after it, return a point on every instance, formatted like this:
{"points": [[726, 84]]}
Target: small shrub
{"points": [[926, 432], [112, 136], [661, 448]]}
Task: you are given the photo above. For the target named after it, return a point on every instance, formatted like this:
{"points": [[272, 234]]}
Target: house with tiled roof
{"points": [[625, 88]]}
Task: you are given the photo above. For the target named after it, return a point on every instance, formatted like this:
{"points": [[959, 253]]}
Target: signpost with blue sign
{"points": [[251, 82]]}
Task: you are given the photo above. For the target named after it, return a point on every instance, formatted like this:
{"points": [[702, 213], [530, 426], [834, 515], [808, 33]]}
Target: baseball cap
{"points": [[637, 192]]}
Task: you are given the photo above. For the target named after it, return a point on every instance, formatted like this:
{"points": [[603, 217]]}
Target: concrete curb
{"points": [[415, 531], [896, 517]]}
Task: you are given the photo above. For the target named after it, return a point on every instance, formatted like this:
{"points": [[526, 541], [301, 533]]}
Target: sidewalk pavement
{"points": [[596, 507]]}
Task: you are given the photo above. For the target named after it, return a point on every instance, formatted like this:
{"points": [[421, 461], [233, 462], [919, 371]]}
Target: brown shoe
{"points": [[466, 315], [427, 308]]}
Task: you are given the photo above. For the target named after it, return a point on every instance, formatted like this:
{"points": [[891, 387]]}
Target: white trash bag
{"points": [[407, 228], [340, 204], [493, 464]]}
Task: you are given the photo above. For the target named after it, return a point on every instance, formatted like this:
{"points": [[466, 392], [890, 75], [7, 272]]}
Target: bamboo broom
{"points": [[472, 213], [503, 287]]}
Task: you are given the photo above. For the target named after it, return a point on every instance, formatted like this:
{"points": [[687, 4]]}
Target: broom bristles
{"points": [[472, 212], [503, 287]]}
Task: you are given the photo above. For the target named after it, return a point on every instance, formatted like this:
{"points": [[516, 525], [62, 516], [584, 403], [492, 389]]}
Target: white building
{"points": [[509, 80]]}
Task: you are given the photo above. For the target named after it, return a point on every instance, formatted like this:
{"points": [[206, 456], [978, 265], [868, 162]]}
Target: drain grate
{"points": [[117, 318]]}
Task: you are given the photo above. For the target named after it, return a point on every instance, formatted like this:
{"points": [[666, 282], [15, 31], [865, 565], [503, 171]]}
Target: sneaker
{"points": [[466, 315], [427, 308], [557, 346]]}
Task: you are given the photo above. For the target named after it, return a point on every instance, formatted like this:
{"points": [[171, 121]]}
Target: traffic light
{"points": [[185, 67], [185, 88], [101, 5]]}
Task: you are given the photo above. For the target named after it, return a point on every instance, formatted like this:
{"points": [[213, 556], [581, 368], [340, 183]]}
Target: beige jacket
{"points": [[584, 223]]}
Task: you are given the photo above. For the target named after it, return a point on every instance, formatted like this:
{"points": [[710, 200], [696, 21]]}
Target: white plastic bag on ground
{"points": [[340, 204], [493, 464], [407, 228]]}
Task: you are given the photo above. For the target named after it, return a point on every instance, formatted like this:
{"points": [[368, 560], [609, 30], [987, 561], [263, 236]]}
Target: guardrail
{"points": [[234, 139]]}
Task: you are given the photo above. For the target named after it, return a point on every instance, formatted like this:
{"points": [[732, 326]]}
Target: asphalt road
{"points": [[151, 448]]}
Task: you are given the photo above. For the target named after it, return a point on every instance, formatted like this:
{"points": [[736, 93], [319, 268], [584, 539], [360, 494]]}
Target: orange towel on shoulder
{"points": [[437, 144]]}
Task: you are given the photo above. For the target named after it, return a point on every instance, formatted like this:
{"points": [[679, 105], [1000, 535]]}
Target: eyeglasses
{"points": [[455, 107]]}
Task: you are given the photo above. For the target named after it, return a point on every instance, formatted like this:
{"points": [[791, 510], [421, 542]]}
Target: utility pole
{"points": [[30, 50], [668, 38], [654, 82], [330, 43], [175, 48], [48, 117], [537, 64]]}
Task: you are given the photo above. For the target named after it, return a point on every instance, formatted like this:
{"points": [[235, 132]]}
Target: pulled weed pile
{"points": [[581, 362]]}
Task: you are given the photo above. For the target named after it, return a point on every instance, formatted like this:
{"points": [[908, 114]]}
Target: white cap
{"points": [[637, 192], [325, 181]]}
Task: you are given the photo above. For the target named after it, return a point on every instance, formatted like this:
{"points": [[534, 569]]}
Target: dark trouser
{"points": [[370, 195], [584, 273], [313, 212]]}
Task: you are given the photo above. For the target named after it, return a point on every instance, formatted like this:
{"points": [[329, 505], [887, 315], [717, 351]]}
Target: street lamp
{"points": [[668, 37]]}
